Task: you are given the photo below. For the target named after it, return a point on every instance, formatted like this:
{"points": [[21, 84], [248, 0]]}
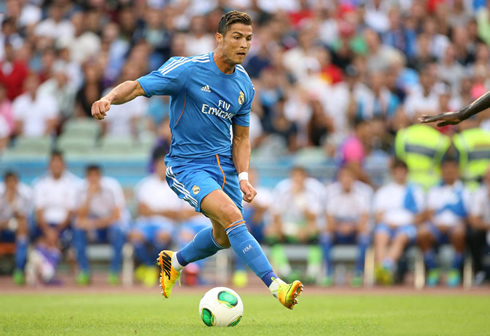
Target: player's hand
{"points": [[100, 108], [448, 118], [247, 190]]}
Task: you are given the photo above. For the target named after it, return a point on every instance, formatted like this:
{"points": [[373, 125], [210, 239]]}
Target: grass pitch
{"points": [[112, 314]]}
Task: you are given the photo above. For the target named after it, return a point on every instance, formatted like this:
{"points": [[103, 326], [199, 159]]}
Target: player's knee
{"points": [[164, 237], [228, 213], [135, 237]]}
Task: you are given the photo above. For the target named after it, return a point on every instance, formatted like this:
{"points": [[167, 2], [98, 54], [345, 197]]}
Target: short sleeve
{"points": [[18, 110], [242, 118], [39, 199], [378, 201], [168, 79], [432, 199], [50, 107], [477, 204], [419, 199]]}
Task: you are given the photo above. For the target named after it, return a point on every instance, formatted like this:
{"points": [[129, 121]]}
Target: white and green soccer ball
{"points": [[221, 307]]}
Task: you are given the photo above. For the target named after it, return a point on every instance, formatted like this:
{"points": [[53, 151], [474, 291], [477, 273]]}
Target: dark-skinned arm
{"points": [[454, 118]]}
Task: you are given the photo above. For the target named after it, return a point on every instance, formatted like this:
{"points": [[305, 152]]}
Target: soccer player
{"points": [[447, 208], [207, 163], [454, 118], [14, 208]]}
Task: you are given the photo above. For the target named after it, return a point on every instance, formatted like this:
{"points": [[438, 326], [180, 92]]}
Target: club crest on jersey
{"points": [[241, 98], [196, 190]]}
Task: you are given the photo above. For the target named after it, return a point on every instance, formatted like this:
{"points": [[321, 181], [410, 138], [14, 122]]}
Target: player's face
{"points": [[450, 172], [236, 43], [56, 166], [11, 183], [346, 178], [93, 178], [400, 174]]}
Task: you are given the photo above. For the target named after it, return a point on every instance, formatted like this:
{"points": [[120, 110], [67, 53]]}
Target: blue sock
{"points": [[21, 246], [202, 246], [458, 260], [327, 242], [142, 253], [249, 250], [362, 245], [430, 259]]}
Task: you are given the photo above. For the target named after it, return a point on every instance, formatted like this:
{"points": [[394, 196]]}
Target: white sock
{"points": [[175, 263], [274, 286]]}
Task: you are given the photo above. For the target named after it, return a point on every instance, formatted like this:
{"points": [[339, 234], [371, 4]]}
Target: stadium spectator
{"points": [[399, 208], [479, 220], [55, 27], [83, 44], [99, 218], [158, 212], [255, 214], [447, 207], [295, 212], [13, 72], [35, 115], [14, 212], [6, 111], [199, 41], [9, 35], [59, 88], [90, 91], [347, 214]]}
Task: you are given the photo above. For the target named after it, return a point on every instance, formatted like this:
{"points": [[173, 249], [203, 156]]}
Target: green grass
{"points": [[315, 315]]}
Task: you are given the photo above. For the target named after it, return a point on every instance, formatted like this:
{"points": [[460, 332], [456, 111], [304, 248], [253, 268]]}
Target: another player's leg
{"points": [[220, 208], [116, 239], [382, 236], [457, 239], [80, 244], [426, 238], [21, 248], [363, 241]]}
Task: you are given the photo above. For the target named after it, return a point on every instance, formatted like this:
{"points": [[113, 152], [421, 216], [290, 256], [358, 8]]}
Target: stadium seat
{"points": [[81, 128], [310, 156], [36, 146], [75, 144]]}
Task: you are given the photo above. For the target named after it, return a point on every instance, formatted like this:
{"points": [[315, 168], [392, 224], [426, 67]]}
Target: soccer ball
{"points": [[221, 307]]}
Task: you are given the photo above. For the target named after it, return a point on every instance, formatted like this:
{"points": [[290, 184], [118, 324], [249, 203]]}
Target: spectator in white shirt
{"points": [[158, 212], [54, 201], [479, 230], [424, 98], [199, 41], [99, 219], [295, 212], [35, 115], [347, 217], [14, 207], [446, 214], [399, 209], [55, 27]]}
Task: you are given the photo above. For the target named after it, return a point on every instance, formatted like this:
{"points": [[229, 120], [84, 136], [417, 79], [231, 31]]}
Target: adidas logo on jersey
{"points": [[206, 88]]}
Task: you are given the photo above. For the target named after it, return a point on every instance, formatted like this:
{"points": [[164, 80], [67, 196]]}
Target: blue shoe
{"points": [[453, 278]]}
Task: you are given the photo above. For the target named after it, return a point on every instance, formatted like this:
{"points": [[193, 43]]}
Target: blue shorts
{"points": [[408, 230], [441, 238], [195, 179], [7, 236], [150, 228]]}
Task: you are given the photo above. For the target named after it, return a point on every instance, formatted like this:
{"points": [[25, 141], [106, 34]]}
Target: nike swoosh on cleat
{"points": [[166, 264]]}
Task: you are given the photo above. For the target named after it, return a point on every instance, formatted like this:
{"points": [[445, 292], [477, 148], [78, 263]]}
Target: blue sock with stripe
{"points": [[249, 250], [202, 246]]}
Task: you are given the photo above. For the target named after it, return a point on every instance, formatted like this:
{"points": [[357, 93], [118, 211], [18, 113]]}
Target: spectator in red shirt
{"points": [[13, 72]]}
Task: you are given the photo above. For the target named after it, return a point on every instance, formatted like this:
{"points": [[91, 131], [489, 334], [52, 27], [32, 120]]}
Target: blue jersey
{"points": [[204, 104]]}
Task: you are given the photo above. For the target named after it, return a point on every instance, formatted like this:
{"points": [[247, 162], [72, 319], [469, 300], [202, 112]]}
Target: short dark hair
{"points": [[230, 18], [397, 163], [450, 160], [9, 174], [93, 167], [56, 153]]}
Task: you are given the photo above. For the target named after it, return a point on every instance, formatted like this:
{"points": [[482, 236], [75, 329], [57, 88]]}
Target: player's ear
{"points": [[219, 37]]}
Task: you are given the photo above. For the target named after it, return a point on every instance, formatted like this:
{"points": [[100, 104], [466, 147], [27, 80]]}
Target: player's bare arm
{"points": [[121, 94], [241, 159], [454, 118]]}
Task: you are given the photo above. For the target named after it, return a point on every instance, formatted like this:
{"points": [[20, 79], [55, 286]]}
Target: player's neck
{"points": [[222, 64]]}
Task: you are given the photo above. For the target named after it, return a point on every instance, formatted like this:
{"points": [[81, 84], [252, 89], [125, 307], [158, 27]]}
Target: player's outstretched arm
{"points": [[121, 94], [454, 118], [241, 159]]}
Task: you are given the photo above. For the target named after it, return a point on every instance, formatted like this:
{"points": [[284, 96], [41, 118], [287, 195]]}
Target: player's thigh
{"points": [[220, 208], [192, 184]]}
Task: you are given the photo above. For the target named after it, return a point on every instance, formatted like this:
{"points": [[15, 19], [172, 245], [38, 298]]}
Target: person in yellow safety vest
{"points": [[473, 146], [422, 148]]}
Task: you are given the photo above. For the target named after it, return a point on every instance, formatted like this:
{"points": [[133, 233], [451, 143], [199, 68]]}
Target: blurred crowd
{"points": [[324, 71], [347, 77]]}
